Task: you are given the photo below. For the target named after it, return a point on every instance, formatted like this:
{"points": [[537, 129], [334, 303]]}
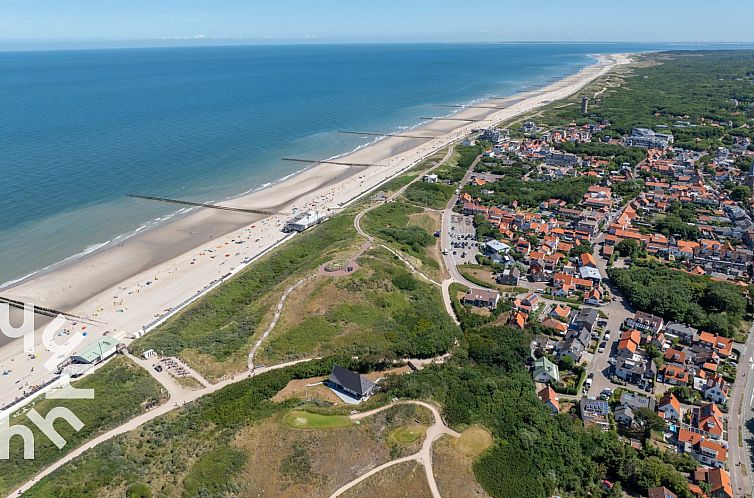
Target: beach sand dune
{"points": [[129, 285]]}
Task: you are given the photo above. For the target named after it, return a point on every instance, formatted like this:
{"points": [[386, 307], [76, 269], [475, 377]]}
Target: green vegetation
{"points": [[532, 193], [223, 322], [682, 297], [432, 195], [406, 434], [455, 168], [184, 453], [122, 390], [534, 454], [391, 222], [305, 420], [381, 310]]}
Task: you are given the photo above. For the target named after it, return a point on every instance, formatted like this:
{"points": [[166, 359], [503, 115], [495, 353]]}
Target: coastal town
{"points": [[557, 303], [595, 353]]}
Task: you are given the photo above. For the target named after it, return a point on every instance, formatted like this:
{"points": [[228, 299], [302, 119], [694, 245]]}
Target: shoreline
{"points": [[140, 280]]}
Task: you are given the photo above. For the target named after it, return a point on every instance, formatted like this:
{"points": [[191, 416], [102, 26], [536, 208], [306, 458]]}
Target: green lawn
{"points": [[305, 420], [407, 434]]}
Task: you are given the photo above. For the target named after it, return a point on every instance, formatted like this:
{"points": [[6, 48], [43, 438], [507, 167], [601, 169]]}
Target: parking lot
{"points": [[462, 234]]}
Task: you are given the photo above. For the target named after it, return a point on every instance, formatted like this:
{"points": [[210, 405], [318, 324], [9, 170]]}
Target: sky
{"points": [[113, 22]]}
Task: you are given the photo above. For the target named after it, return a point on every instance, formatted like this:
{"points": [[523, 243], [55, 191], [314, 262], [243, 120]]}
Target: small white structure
{"points": [[432, 178], [149, 353], [304, 220]]}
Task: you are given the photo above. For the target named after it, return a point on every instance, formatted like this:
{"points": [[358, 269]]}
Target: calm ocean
{"points": [[79, 129]]}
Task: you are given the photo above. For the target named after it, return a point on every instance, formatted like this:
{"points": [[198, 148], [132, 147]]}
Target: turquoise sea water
{"points": [[79, 129]]}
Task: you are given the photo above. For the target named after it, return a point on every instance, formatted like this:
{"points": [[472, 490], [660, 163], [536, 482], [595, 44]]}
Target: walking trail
{"points": [[423, 456]]}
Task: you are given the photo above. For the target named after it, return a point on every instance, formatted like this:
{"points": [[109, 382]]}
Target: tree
{"points": [[740, 193], [627, 248]]}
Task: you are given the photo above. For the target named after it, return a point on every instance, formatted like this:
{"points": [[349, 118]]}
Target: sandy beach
{"points": [[130, 286]]}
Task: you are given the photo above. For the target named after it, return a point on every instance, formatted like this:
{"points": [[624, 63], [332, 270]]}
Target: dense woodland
{"points": [[679, 296]]}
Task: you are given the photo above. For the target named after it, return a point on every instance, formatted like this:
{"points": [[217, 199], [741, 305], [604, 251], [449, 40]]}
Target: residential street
{"points": [[741, 423]]}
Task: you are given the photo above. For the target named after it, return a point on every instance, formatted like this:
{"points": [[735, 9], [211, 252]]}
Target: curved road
{"points": [[423, 456]]}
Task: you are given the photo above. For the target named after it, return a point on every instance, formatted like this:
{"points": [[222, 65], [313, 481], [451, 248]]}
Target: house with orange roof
{"points": [[518, 320], [549, 398], [675, 375], [556, 325], [717, 479], [593, 297], [669, 408], [708, 419], [716, 389], [561, 312], [527, 303], [586, 259]]}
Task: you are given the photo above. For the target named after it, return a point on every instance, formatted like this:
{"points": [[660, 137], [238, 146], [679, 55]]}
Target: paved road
{"points": [[739, 416], [423, 456], [455, 275]]}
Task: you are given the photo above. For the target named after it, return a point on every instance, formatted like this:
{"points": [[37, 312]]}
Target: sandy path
{"points": [[423, 456]]}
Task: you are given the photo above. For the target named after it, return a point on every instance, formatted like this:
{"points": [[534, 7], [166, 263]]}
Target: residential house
{"points": [[716, 389], [624, 415], [527, 303], [518, 320], [675, 375], [669, 408], [549, 398], [351, 383], [631, 369], [645, 321], [556, 325], [684, 333], [509, 276], [561, 312], [481, 298], [545, 371], [595, 412], [660, 492], [718, 481]]}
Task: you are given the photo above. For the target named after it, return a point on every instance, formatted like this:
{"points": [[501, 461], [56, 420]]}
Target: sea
{"points": [[81, 128]]}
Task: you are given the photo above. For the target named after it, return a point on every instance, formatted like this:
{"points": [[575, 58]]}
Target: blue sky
{"points": [[249, 21]]}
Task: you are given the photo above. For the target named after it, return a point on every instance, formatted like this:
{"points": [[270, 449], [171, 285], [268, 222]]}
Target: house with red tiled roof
{"points": [[709, 420], [586, 259], [716, 389], [556, 325], [669, 408], [717, 479], [550, 398], [675, 375], [527, 303], [561, 311]]}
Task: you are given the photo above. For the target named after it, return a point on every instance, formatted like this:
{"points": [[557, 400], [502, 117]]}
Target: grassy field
{"points": [[453, 470], [407, 434], [121, 391], [379, 309], [393, 223], [305, 420], [239, 434], [214, 334], [404, 480]]}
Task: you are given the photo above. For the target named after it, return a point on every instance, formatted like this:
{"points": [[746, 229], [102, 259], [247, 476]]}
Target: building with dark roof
{"points": [[351, 383]]}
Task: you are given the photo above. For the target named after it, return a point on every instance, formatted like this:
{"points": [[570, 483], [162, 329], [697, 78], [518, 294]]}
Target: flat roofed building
{"points": [[97, 352]]}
